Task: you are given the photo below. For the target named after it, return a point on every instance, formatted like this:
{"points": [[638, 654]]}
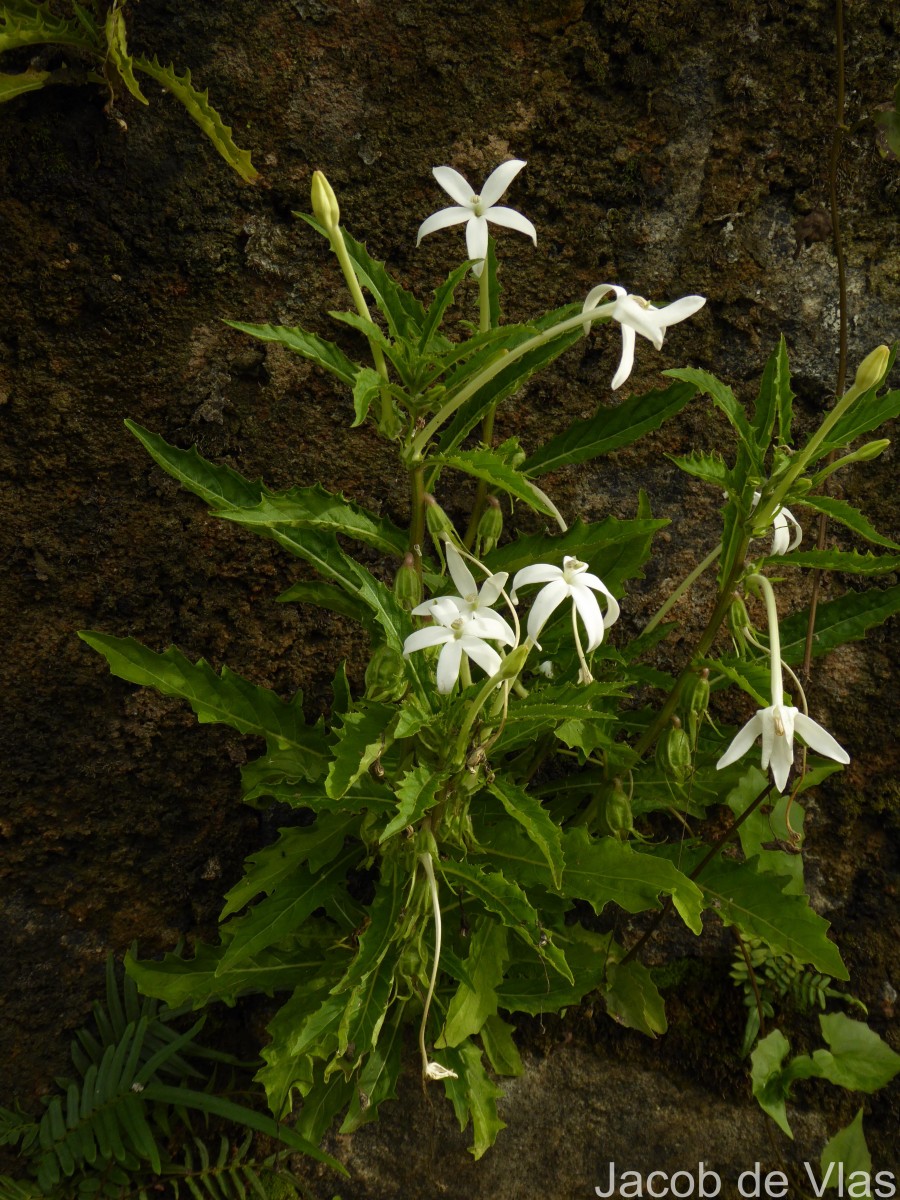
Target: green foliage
{"points": [[105, 42], [452, 831], [109, 1130]]}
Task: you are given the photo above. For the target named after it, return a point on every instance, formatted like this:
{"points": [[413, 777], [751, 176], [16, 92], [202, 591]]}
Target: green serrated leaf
{"points": [[838, 621], [769, 1086], [315, 508], [711, 468], [443, 298], [497, 468], [326, 595], [632, 998], [723, 398], [845, 1154], [383, 921], [322, 1103], [363, 736], [307, 345], [25, 24], [366, 388], [202, 112], [227, 699], [497, 1039], [117, 52], [473, 1095], [857, 1058], [474, 1002], [268, 869], [535, 820], [279, 915], [774, 402], [377, 1080], [610, 428], [846, 514], [25, 81], [416, 792], [849, 561]]}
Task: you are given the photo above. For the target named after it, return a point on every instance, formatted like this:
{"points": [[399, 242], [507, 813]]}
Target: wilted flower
{"points": [[574, 580], [477, 209], [637, 315]]}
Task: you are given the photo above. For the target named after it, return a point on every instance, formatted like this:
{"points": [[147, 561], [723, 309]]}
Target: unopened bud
{"points": [[673, 752], [490, 525], [872, 368], [408, 584], [738, 618], [617, 811], [696, 702], [324, 202]]}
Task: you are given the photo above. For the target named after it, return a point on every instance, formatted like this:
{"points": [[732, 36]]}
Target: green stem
{"points": [[417, 514], [768, 595], [685, 584]]}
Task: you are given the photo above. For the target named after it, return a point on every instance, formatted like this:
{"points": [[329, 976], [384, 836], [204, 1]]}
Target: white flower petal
{"points": [[589, 611], [781, 759], [536, 573], [547, 601], [679, 310], [483, 654], [627, 360], [595, 295], [477, 240], [629, 312], [491, 625], [612, 612], [459, 572], [447, 609], [499, 180], [510, 219], [455, 185], [781, 536], [442, 220], [448, 665], [434, 635], [819, 739], [742, 742], [491, 589]]}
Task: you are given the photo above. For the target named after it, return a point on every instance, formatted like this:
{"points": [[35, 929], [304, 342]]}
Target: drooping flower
{"points": [[776, 726], [471, 601], [477, 209], [458, 633], [778, 723], [571, 580], [783, 541], [637, 315]]}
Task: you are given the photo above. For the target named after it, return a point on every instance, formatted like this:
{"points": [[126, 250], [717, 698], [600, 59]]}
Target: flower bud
{"points": [[385, 675], [438, 525], [617, 811], [696, 702], [738, 619], [324, 202], [673, 752], [490, 525], [408, 584], [872, 368]]}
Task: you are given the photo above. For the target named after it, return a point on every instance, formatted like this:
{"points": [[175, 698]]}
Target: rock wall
{"points": [[674, 146]]}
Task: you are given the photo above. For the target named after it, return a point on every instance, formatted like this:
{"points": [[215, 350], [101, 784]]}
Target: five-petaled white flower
{"points": [[783, 541], [777, 726], [477, 209], [458, 633], [637, 315], [472, 601], [574, 580]]}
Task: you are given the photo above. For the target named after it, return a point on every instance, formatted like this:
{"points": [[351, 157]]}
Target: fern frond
{"points": [[17, 1126], [19, 1189], [234, 1175], [201, 111], [26, 24]]}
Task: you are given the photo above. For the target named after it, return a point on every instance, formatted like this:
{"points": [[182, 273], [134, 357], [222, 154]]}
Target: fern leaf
{"points": [[199, 108]]}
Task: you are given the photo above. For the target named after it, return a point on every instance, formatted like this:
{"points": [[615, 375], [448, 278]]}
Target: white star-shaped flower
{"points": [[776, 726], [637, 315], [572, 580], [783, 541], [458, 633], [471, 601], [477, 209]]}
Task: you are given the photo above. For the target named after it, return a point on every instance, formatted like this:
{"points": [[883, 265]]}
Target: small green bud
{"points": [[617, 811], [696, 703], [869, 451], [872, 368], [512, 665], [438, 525], [490, 525], [385, 675], [738, 619], [673, 752], [408, 584], [324, 202]]}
